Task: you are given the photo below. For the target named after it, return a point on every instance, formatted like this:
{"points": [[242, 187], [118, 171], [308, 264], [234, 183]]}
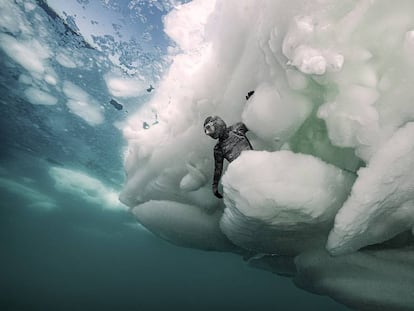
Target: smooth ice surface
{"points": [[366, 280], [183, 225]]}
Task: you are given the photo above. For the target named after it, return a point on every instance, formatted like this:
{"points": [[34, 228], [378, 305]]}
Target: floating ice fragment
{"points": [[88, 112], [65, 61], [38, 97], [13, 20], [30, 54], [50, 79], [124, 87], [82, 104]]}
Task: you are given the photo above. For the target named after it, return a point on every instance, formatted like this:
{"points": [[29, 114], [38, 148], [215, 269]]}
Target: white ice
{"points": [[65, 60], [86, 187], [185, 225], [124, 87], [286, 205], [82, 104], [332, 110], [381, 203], [27, 40], [39, 97], [30, 54]]}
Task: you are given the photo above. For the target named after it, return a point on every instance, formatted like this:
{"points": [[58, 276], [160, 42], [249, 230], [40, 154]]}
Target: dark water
{"points": [[80, 257]]}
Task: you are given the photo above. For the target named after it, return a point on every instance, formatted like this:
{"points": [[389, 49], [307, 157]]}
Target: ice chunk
{"points": [[88, 112], [65, 61], [300, 31], [303, 50], [352, 120], [381, 203], [12, 19], [50, 79], [30, 54], [124, 87], [183, 224], [309, 60], [38, 97], [281, 202], [186, 25], [275, 117], [82, 104]]}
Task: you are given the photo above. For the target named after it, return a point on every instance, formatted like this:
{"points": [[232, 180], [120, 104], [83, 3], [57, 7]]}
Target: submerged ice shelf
{"points": [[331, 126]]}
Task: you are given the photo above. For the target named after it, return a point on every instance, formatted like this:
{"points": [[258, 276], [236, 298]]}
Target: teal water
{"points": [[81, 257]]}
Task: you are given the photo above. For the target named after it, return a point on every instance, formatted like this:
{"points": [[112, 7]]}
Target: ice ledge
{"points": [[281, 202], [381, 203]]}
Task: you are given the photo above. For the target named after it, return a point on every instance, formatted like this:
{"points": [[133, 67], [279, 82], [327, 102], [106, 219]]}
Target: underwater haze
{"points": [[106, 173]]}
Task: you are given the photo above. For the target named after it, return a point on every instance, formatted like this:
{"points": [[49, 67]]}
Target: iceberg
{"points": [[329, 186]]}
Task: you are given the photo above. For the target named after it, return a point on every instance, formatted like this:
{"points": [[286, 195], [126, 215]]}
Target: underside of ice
{"points": [[331, 125], [183, 224], [365, 280]]}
